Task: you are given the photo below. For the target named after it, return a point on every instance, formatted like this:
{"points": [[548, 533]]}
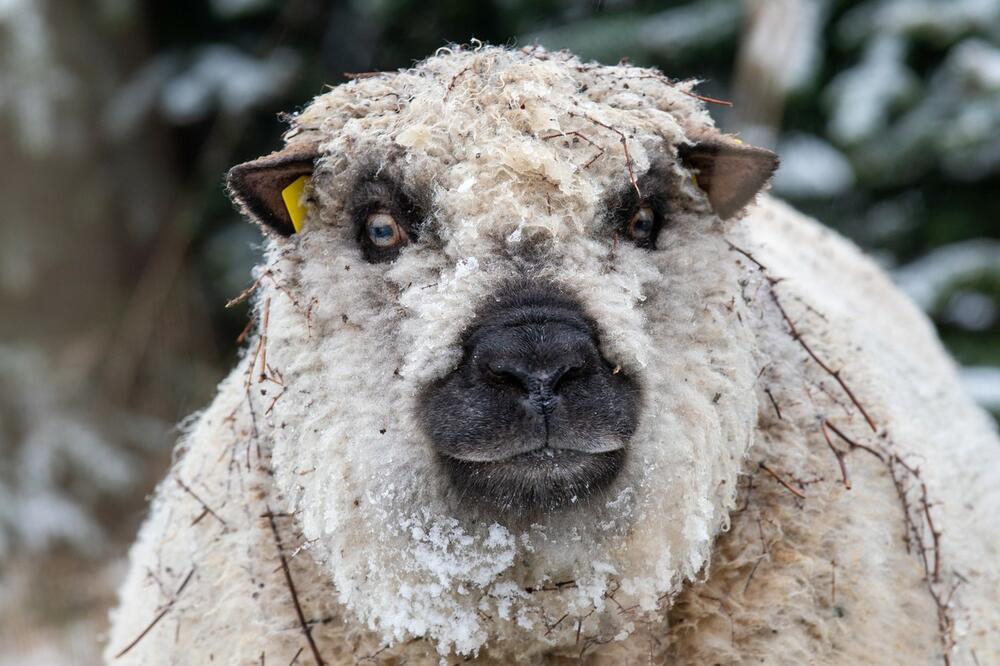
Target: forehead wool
{"points": [[543, 133], [517, 155]]}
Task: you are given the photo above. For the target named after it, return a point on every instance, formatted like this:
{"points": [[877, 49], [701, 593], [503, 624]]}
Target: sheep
{"points": [[541, 375]]}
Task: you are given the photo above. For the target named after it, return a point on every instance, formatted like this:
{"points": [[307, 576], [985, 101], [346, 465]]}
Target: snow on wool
{"points": [[807, 483]]}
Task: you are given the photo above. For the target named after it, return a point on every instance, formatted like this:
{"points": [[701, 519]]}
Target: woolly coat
{"points": [[809, 483]]}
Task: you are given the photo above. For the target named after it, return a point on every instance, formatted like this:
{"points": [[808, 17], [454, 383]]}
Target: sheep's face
{"points": [[516, 378]]}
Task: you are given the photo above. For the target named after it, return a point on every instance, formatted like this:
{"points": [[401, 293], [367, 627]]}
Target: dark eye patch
{"points": [[386, 218], [640, 219]]}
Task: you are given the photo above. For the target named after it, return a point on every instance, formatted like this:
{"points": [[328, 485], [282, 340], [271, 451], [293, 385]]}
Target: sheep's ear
{"points": [[730, 172], [258, 186]]}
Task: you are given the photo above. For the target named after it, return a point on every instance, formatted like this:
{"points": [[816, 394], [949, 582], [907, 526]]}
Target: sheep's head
{"points": [[515, 375]]}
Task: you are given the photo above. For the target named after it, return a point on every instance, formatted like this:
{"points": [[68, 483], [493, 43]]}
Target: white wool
{"points": [[694, 553]]}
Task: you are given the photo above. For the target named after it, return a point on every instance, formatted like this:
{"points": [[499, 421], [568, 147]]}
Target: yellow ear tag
{"points": [[292, 196]]}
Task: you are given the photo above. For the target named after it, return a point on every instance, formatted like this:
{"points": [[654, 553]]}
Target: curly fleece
{"points": [[305, 515]]}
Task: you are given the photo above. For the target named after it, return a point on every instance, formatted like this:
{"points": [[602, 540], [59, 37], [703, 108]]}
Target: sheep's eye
{"points": [[642, 225], [384, 232]]}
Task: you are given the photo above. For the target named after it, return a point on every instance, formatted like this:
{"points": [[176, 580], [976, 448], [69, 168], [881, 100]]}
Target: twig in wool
{"points": [[291, 589], [933, 574], [788, 486], [309, 311], [621, 139], [797, 336], [774, 403], [159, 616], [245, 333], [838, 453], [274, 400], [852, 443], [246, 293], [561, 585], [454, 80], [910, 530], [579, 628], [205, 506], [374, 655], [262, 347], [254, 432], [836, 374], [913, 518], [266, 275], [582, 136], [760, 266], [550, 628], [663, 79]]}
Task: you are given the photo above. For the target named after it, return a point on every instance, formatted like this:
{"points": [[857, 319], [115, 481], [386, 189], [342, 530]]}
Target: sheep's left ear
{"points": [[730, 172], [268, 188]]}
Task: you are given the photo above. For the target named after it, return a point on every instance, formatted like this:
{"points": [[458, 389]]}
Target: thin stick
{"points": [[797, 336], [291, 588], [263, 338], [826, 368], [774, 403], [664, 79], [246, 293], [269, 275], [621, 138], [838, 453], [454, 80], [913, 517], [791, 488], [582, 136], [159, 616], [852, 443], [557, 623], [205, 506]]}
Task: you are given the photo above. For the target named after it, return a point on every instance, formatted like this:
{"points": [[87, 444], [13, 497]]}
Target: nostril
{"points": [[565, 374], [506, 376]]}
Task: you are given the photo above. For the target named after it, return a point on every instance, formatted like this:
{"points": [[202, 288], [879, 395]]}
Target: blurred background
{"points": [[118, 247]]}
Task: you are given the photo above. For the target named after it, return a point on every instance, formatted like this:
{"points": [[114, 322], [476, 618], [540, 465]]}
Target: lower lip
{"points": [[542, 479]]}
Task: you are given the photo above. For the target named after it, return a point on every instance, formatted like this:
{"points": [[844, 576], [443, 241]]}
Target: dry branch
{"points": [[772, 282], [917, 520], [581, 135], [159, 616], [664, 79], [291, 589], [774, 403], [838, 453], [204, 506], [622, 140], [776, 477]]}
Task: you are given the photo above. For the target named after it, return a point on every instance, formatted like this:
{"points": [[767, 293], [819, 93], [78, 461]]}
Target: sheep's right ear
{"points": [[730, 172], [257, 187]]}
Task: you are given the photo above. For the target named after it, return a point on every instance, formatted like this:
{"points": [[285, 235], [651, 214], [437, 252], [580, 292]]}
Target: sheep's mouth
{"points": [[542, 479]]}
